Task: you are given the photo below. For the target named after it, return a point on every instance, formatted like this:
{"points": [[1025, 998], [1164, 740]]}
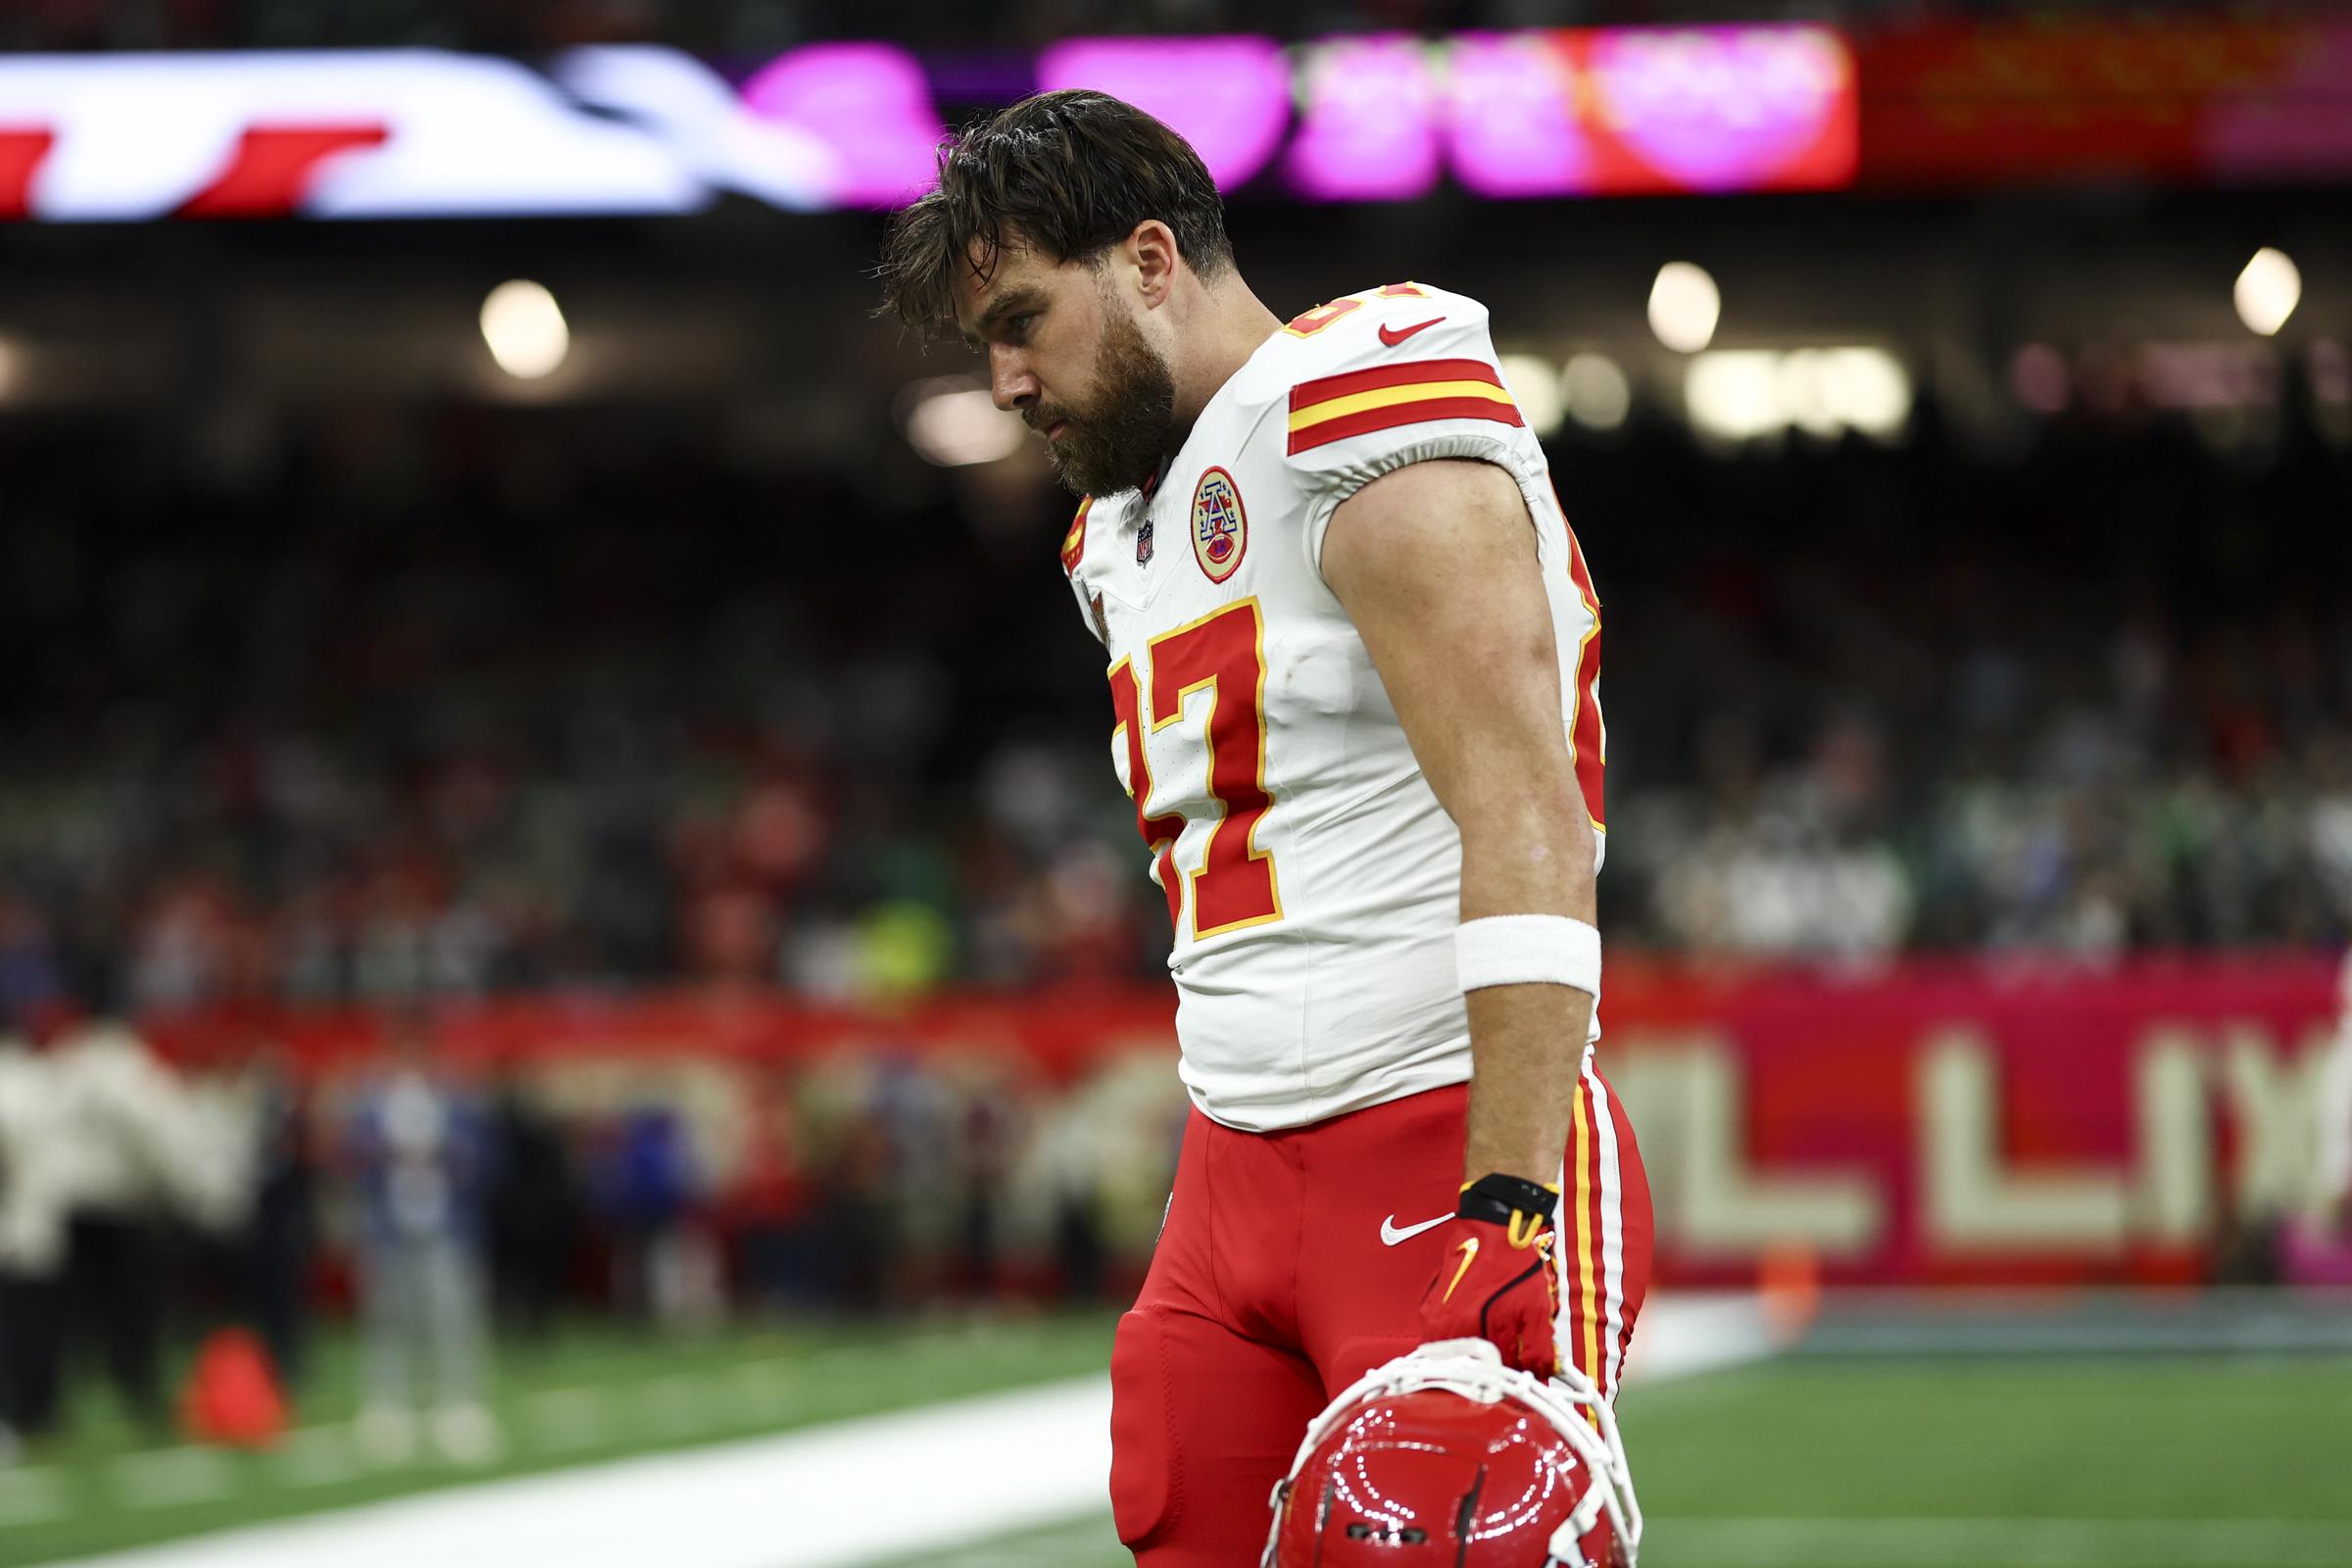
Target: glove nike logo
{"points": [[1469, 1251], [1399, 335], [1391, 1233]]}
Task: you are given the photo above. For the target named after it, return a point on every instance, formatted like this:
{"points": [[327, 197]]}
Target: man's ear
{"points": [[1151, 250]]}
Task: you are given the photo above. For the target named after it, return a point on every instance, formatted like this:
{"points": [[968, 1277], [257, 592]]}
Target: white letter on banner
{"points": [[2271, 1096], [2173, 1200], [1972, 1204], [1686, 1097]]}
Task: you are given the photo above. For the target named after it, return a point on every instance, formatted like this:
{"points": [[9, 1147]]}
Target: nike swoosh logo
{"points": [[1394, 336], [1390, 1234]]}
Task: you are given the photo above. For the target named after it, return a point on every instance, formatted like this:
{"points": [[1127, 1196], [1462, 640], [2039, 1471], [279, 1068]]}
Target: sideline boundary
{"points": [[828, 1496]]}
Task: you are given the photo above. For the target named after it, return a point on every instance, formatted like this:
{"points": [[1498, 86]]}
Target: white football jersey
{"points": [[1312, 878]]}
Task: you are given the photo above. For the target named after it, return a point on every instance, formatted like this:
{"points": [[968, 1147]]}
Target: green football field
{"points": [[2021, 1463], [592, 1391], [2151, 1461]]}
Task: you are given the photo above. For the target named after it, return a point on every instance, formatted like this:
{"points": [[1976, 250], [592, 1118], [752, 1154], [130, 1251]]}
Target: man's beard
{"points": [[1118, 444]]}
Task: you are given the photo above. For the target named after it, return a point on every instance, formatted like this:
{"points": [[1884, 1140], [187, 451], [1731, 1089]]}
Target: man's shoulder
{"points": [[1394, 331], [1390, 322]]}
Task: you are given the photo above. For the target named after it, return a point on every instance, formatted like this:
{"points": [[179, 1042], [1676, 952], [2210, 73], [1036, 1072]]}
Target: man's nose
{"points": [[1009, 382]]}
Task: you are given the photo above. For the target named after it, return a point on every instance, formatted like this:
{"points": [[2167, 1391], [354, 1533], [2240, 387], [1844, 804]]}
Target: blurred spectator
{"points": [[101, 1145], [32, 1242], [1857, 705], [533, 1210], [419, 1150], [664, 1264], [772, 1206], [279, 1239]]}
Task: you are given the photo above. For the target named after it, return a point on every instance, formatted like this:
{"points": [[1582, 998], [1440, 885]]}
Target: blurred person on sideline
{"points": [[419, 1152], [770, 1205], [533, 1207], [665, 1268], [33, 1244], [281, 1236], [103, 1144]]}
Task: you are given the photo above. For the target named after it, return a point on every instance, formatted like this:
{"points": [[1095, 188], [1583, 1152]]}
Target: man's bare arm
{"points": [[1436, 563]]}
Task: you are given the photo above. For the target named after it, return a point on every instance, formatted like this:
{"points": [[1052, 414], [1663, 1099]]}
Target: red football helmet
{"points": [[1445, 1456]]}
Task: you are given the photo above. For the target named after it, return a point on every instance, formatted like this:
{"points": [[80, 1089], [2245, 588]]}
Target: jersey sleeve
{"points": [[1412, 379]]}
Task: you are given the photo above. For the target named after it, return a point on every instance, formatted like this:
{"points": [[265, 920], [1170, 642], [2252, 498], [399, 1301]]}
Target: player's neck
{"points": [[1231, 326]]}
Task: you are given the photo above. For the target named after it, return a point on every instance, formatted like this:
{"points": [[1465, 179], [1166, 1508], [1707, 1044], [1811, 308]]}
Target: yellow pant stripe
{"points": [[1586, 1316]]}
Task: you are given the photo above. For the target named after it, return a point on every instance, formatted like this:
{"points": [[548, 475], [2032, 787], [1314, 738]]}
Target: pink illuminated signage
{"points": [[1719, 109], [1228, 97], [868, 103], [1368, 131], [645, 130], [1512, 117]]}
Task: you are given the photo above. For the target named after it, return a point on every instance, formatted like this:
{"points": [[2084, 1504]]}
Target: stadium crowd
{"points": [[408, 709], [423, 710]]}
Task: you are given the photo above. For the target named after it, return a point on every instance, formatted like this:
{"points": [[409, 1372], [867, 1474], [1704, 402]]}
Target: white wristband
{"points": [[1519, 949]]}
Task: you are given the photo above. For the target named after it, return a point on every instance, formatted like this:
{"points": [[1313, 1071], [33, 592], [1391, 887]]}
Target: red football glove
{"points": [[1496, 1280]]}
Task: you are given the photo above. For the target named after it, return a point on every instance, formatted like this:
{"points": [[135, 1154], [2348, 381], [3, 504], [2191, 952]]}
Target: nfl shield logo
{"points": [[1142, 542], [1220, 525]]}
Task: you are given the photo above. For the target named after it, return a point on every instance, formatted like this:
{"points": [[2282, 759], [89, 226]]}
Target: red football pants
{"points": [[1293, 1263]]}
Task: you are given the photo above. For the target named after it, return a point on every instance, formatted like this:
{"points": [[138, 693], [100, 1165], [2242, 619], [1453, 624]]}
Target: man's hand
{"points": [[1496, 1279]]}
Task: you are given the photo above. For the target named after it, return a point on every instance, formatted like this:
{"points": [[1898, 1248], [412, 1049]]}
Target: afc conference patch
{"points": [[1220, 525]]}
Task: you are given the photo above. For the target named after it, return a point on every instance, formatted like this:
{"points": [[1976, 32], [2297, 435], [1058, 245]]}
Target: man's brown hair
{"points": [[1069, 173]]}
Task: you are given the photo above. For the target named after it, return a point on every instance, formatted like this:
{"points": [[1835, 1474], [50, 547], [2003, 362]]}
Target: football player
{"points": [[1353, 658]]}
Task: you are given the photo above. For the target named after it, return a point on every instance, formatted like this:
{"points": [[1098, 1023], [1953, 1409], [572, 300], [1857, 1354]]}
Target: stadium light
{"points": [[1597, 392], [1866, 389], [952, 424], [2268, 291], [525, 329], [1800, 384], [1684, 307], [1735, 394], [1738, 394], [1535, 385]]}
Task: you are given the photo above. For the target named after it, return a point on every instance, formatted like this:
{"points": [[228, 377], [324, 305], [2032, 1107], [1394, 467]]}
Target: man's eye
{"points": [[1020, 323]]}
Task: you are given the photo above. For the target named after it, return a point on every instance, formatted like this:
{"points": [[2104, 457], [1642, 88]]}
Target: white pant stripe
{"points": [[1609, 1283], [1612, 1238]]}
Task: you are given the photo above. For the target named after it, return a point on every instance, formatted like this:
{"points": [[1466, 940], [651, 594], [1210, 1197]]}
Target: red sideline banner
{"points": [[1939, 1122], [1955, 1123]]}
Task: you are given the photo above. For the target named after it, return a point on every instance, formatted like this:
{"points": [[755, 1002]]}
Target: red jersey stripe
{"points": [[1073, 543], [1420, 411], [1307, 393]]}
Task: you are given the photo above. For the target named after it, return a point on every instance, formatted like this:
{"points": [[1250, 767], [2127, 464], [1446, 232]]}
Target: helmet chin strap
{"points": [[1474, 1369]]}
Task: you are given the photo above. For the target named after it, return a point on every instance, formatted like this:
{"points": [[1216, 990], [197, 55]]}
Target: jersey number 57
{"points": [[1221, 660]]}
